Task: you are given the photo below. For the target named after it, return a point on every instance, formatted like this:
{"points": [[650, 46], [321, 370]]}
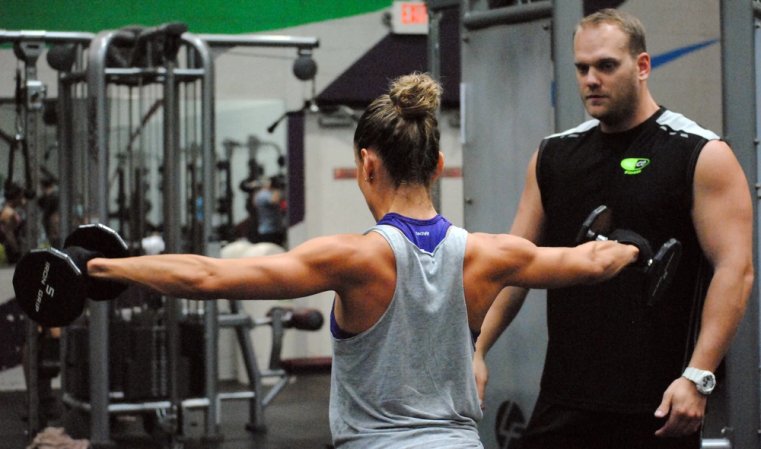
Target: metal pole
{"points": [[32, 93], [231, 40], [434, 68], [210, 320], [475, 20], [97, 212], [740, 110], [46, 36], [64, 133], [569, 111], [716, 444], [172, 225]]}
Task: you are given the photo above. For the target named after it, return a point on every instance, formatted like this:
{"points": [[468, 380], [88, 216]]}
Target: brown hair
{"points": [[401, 126], [630, 25]]}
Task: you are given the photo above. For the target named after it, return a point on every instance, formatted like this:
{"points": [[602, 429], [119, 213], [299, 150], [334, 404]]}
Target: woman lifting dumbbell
{"points": [[411, 293]]}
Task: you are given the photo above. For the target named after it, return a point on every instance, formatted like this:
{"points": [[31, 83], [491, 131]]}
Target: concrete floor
{"points": [[296, 419]]}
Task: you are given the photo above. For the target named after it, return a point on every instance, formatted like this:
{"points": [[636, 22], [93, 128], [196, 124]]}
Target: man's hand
{"points": [[481, 372], [685, 408]]}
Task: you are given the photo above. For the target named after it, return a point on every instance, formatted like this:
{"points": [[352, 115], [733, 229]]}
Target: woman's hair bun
{"points": [[415, 95]]}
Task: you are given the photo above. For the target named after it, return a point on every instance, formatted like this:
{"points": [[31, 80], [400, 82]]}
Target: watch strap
{"points": [[693, 374], [696, 376]]}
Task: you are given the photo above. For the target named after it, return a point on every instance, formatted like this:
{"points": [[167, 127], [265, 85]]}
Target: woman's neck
{"points": [[411, 201]]}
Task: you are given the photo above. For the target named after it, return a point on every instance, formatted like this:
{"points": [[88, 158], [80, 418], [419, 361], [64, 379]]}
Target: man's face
{"points": [[607, 73]]}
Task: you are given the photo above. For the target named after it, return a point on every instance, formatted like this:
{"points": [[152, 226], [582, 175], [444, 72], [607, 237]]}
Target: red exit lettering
{"points": [[414, 13]]}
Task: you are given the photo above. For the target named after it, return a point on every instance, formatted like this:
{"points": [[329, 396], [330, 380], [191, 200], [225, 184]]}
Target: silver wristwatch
{"points": [[704, 380]]}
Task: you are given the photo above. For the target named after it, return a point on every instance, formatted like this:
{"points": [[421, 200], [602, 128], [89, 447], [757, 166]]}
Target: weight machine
{"points": [[141, 86], [122, 65], [30, 104]]}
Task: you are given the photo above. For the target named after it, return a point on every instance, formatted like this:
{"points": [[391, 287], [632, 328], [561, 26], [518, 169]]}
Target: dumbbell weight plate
{"points": [[662, 270], [48, 287], [597, 223], [305, 318], [99, 238], [102, 239]]}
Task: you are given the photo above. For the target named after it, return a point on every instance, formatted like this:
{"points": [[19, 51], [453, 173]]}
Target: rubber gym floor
{"points": [[296, 419]]}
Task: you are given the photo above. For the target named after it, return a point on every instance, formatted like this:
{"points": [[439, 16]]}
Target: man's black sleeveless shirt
{"points": [[607, 349]]}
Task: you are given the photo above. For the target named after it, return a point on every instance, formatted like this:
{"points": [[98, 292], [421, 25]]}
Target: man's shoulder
{"points": [[576, 131], [570, 137], [675, 122]]}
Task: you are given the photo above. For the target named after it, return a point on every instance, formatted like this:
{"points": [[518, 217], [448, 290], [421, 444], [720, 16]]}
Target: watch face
{"points": [[707, 383], [704, 381]]}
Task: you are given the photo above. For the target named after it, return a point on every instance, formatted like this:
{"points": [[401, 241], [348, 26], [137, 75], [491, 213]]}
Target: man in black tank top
{"points": [[618, 373]]}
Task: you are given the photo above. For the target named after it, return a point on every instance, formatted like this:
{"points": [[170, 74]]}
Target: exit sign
{"points": [[409, 17]]}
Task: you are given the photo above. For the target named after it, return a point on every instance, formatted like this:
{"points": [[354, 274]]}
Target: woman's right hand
{"points": [[481, 371]]}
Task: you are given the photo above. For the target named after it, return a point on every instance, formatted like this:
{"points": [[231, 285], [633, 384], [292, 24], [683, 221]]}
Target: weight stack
{"points": [[147, 364], [139, 363], [77, 362], [193, 383], [147, 368]]}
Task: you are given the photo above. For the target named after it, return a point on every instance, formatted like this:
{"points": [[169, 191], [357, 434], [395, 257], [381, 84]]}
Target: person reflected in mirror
{"points": [[269, 204], [12, 221]]}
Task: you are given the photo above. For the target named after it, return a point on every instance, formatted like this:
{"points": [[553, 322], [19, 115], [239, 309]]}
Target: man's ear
{"points": [[644, 66]]}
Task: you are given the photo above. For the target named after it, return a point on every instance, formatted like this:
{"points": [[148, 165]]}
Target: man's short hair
{"points": [[630, 25]]}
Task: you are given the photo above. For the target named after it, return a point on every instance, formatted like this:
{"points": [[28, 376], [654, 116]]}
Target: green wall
{"points": [[202, 16]]}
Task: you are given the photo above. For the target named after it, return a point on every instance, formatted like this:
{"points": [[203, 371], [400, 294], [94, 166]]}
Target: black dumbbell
{"points": [[596, 225], [51, 285], [302, 318], [659, 269]]}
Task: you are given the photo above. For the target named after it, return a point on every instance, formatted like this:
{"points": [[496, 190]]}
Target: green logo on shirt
{"points": [[634, 165]]}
